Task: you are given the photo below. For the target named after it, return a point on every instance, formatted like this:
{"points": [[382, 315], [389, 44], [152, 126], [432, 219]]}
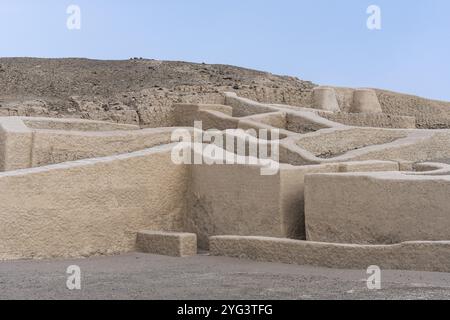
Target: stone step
{"points": [[173, 244]]}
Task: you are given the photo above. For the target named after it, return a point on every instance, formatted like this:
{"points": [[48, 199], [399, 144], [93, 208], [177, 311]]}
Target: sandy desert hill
{"points": [[132, 91]]}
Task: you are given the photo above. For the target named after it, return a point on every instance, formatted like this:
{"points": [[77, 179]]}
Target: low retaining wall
{"points": [[418, 256]]}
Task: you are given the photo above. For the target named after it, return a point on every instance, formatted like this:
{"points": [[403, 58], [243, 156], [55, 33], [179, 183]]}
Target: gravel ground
{"points": [[140, 276]]}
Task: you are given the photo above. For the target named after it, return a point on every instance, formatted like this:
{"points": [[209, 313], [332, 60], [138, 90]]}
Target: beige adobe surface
{"points": [[419, 256], [324, 98], [365, 101], [90, 207], [377, 208], [167, 243], [78, 188], [36, 142], [220, 202]]}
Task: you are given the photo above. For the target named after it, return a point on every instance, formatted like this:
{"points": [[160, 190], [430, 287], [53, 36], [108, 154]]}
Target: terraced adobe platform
{"points": [[78, 188]]}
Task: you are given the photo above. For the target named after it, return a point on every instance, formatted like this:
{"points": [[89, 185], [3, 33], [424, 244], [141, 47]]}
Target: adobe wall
{"points": [[234, 199], [338, 142], [75, 125], [51, 147], [237, 199], [292, 189], [97, 206], [187, 114], [432, 122], [377, 208], [403, 104], [420, 146], [295, 119], [375, 120], [90, 207], [396, 103], [417, 256], [243, 107], [16, 141], [23, 147], [324, 98], [366, 144]]}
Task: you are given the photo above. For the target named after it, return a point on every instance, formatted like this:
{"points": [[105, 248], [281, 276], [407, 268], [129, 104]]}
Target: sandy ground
{"points": [[140, 276]]}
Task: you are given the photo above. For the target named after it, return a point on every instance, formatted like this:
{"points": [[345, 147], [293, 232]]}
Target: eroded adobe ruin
{"points": [[357, 185]]}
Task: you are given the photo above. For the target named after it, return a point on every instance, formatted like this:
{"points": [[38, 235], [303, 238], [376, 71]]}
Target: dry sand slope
{"points": [[133, 91], [122, 90]]}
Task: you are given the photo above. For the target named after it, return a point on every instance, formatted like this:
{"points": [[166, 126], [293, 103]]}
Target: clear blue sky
{"points": [[325, 41]]}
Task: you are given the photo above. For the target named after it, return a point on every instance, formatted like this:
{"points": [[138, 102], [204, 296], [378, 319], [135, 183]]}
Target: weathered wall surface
{"points": [[432, 122], [430, 114], [335, 143], [187, 114], [51, 147], [365, 101], [15, 144], [292, 189], [429, 147], [292, 200], [379, 120], [301, 124], [366, 144], [403, 104], [324, 98], [22, 147], [419, 256], [90, 207], [167, 243], [396, 103], [377, 208], [243, 107], [233, 199], [75, 125]]}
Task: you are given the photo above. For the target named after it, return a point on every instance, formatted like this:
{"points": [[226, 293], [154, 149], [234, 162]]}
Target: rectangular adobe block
{"points": [[376, 208], [167, 243]]}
